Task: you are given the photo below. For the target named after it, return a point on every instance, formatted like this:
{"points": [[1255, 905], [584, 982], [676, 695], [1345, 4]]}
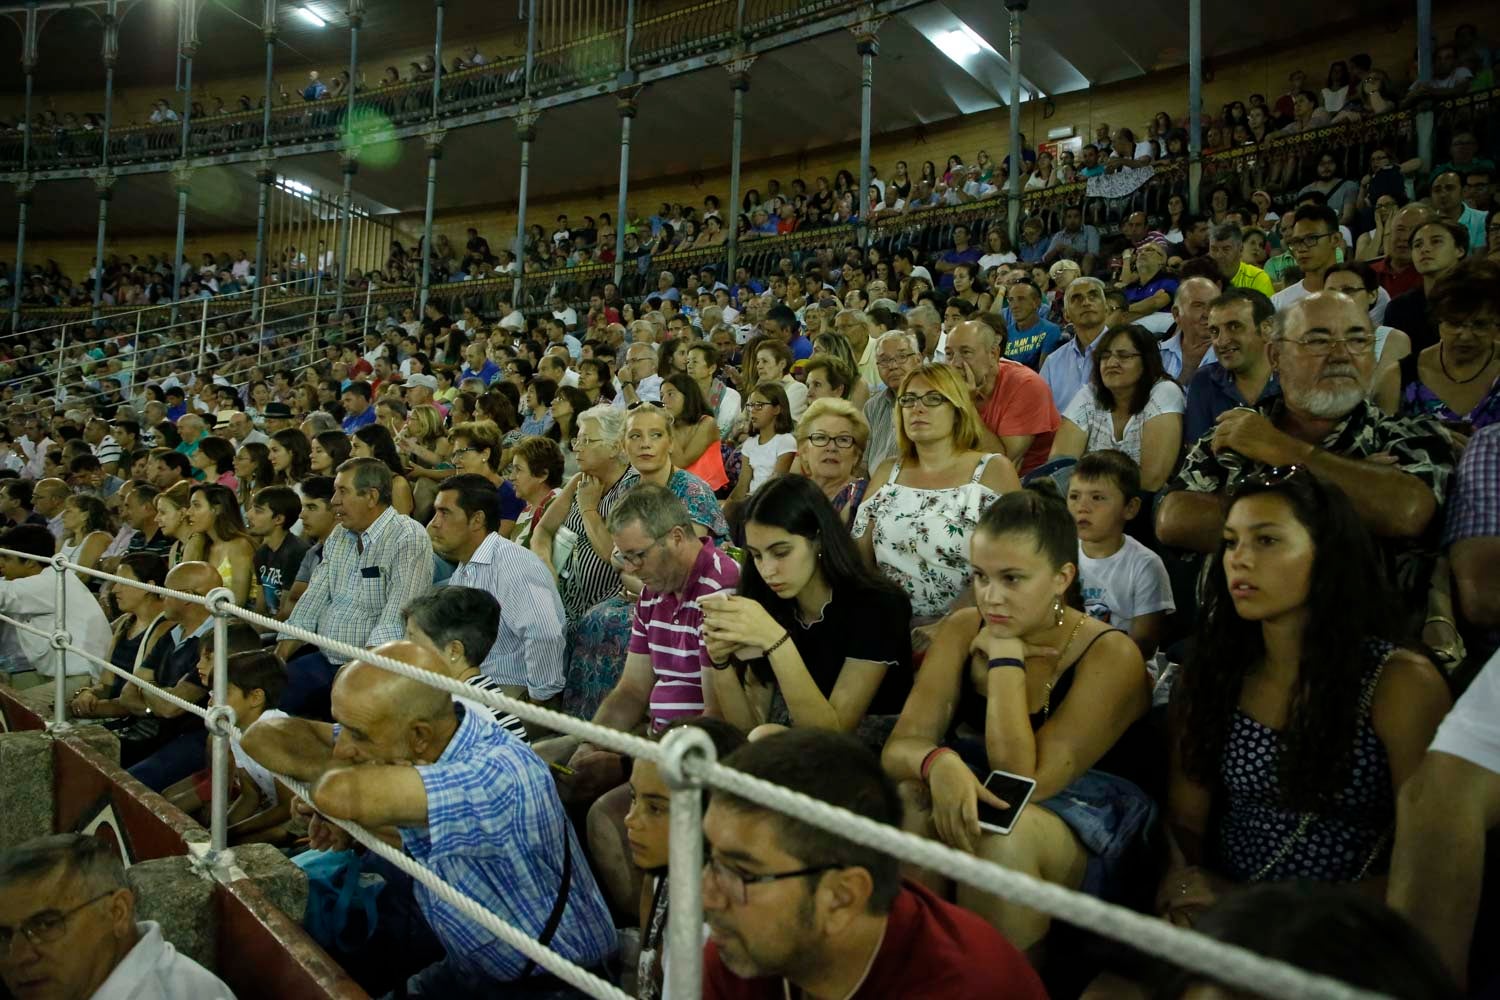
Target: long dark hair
{"points": [[336, 444], [1346, 604], [377, 437], [1152, 371], [694, 406], [296, 445], [797, 506]]}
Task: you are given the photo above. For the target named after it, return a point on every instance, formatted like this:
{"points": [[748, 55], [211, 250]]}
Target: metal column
{"points": [[437, 60], [188, 37], [182, 177], [266, 175], [526, 119], [221, 760], [628, 94], [1017, 154], [25, 186], [684, 937], [1424, 116], [434, 140], [349, 160], [868, 48], [739, 82], [1195, 103], [104, 181]]}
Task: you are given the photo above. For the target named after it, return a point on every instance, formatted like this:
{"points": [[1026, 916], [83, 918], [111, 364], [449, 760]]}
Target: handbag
{"points": [[340, 899]]}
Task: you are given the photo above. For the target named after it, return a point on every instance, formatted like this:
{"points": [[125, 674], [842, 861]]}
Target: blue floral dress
{"points": [[597, 638]]}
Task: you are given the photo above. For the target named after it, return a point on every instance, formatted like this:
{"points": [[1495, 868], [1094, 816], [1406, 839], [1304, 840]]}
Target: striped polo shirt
{"points": [[666, 628]]}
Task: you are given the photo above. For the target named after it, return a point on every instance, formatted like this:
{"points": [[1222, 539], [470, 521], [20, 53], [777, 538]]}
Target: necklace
{"points": [[1443, 364], [1047, 693]]}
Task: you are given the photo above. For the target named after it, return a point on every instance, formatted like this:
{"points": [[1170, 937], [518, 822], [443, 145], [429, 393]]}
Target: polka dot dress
{"points": [[1254, 827]]}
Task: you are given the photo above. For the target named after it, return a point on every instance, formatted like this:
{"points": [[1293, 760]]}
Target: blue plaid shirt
{"points": [[495, 829], [1475, 509]]}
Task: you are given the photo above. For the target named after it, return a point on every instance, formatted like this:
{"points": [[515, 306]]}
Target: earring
{"points": [[1057, 612]]}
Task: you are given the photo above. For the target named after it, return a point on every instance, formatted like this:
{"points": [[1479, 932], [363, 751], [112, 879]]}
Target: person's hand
{"points": [[966, 375], [740, 621], [955, 802], [84, 703], [322, 835], [590, 492], [719, 650], [1249, 433]]}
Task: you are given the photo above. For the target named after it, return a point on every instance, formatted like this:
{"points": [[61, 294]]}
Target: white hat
{"points": [[422, 379], [923, 273]]}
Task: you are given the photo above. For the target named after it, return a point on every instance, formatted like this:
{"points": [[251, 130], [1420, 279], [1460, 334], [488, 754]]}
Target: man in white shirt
{"points": [[29, 594], [67, 917]]}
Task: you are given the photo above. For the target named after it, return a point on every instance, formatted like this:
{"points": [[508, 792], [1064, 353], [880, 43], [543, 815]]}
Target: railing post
{"points": [[24, 188], [365, 326], [739, 82], [62, 359], [317, 290], [1424, 117], [434, 141], [203, 336], [868, 47], [1195, 103], [1017, 154], [265, 175], [685, 858], [60, 641], [349, 160], [220, 720]]}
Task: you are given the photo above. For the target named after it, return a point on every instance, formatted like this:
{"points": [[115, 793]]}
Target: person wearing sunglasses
{"points": [[1288, 669], [1322, 353], [795, 911], [68, 928]]}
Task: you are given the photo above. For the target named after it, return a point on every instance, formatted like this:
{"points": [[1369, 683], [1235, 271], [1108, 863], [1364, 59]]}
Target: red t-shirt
{"points": [[931, 949], [1021, 404], [1395, 282]]}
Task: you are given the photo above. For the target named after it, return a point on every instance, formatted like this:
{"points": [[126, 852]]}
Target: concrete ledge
{"points": [[282, 882], [170, 892], [26, 787]]}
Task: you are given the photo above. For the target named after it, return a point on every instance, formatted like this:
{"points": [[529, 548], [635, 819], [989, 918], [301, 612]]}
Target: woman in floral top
{"points": [[923, 504]]}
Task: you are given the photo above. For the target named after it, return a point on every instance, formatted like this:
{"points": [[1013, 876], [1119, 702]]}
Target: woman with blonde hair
{"points": [[924, 503], [172, 518], [214, 513], [837, 345]]}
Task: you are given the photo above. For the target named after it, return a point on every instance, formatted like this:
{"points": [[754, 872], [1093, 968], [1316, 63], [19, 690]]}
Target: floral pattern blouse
{"points": [[921, 537]]}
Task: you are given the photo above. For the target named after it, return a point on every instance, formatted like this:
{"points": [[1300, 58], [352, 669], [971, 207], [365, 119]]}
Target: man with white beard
{"points": [[1395, 470]]}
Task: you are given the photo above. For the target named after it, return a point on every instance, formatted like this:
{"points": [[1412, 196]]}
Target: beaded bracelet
{"points": [[1006, 661]]}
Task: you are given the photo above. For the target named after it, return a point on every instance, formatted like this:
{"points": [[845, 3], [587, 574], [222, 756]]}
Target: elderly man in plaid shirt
{"points": [[1472, 540], [470, 802]]}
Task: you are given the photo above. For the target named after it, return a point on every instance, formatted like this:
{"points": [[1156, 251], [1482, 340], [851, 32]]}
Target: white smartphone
{"points": [[1013, 789]]}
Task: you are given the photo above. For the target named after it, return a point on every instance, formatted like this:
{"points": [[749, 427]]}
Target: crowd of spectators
{"points": [[1151, 519]]}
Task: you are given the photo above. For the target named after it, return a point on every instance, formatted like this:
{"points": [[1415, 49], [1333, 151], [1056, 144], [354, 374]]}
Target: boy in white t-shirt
{"points": [[1124, 583]]}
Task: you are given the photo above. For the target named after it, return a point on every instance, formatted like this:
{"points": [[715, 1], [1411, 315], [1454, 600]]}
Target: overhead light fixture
{"points": [[957, 45], [314, 19]]}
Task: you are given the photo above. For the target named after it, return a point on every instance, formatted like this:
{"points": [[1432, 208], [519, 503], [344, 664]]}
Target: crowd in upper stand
{"points": [[1192, 525]]}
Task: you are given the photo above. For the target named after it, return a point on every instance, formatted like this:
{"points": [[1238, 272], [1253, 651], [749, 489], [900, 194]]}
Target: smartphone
{"points": [[1014, 789]]}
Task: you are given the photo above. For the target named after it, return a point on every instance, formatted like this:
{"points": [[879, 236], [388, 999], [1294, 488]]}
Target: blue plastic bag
{"points": [[340, 899]]}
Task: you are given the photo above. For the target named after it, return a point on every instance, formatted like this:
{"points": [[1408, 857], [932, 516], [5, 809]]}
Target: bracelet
{"points": [[930, 759], [1006, 661], [773, 647]]}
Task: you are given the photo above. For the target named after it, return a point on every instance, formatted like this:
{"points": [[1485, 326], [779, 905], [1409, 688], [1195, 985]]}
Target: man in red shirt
{"points": [[795, 911], [1395, 271], [1013, 401]]}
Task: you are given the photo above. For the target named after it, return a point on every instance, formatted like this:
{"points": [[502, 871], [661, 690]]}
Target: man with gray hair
{"points": [[897, 355], [1225, 244], [68, 929], [929, 323], [861, 332], [1395, 470], [371, 569], [639, 382]]}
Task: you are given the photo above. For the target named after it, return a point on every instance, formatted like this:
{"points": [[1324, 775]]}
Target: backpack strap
{"points": [[554, 919]]}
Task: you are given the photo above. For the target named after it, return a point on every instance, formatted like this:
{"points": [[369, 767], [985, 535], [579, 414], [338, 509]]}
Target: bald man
{"points": [[165, 743], [469, 801]]}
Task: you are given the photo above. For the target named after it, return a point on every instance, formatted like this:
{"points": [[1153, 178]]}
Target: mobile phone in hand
{"points": [[1014, 790]]}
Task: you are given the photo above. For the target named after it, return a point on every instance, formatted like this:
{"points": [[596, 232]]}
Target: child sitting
{"points": [[259, 806], [1124, 583]]}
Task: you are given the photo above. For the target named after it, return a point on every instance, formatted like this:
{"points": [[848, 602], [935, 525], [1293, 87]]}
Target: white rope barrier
{"points": [[1224, 963]]}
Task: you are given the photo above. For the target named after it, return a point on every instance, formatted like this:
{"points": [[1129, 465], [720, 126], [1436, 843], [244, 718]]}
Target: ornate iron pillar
{"points": [[739, 82], [1017, 154], [434, 141], [526, 119], [266, 174], [24, 188], [104, 183], [626, 102], [30, 30], [437, 60], [868, 48], [1195, 102], [182, 178], [182, 173], [1424, 116]]}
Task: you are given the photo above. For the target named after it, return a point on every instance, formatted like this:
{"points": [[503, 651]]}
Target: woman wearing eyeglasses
{"points": [[915, 522], [1296, 720], [831, 443], [847, 663], [1129, 405]]}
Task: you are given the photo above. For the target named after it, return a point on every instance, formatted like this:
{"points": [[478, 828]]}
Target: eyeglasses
{"points": [[1121, 356], [580, 443], [1307, 242], [843, 442], [1318, 345], [891, 361], [463, 451], [735, 884], [757, 405], [45, 927], [637, 558], [931, 400]]}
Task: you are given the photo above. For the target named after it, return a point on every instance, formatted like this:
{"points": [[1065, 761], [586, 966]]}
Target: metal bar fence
{"points": [[687, 763]]}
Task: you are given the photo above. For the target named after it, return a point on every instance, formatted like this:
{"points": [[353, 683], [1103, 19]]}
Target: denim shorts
{"points": [[1107, 813]]}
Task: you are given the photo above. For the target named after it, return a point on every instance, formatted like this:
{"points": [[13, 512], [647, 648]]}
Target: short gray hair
{"points": [[1227, 232], [321, 422], [657, 508], [92, 861], [923, 314], [909, 339], [367, 474], [610, 421]]}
